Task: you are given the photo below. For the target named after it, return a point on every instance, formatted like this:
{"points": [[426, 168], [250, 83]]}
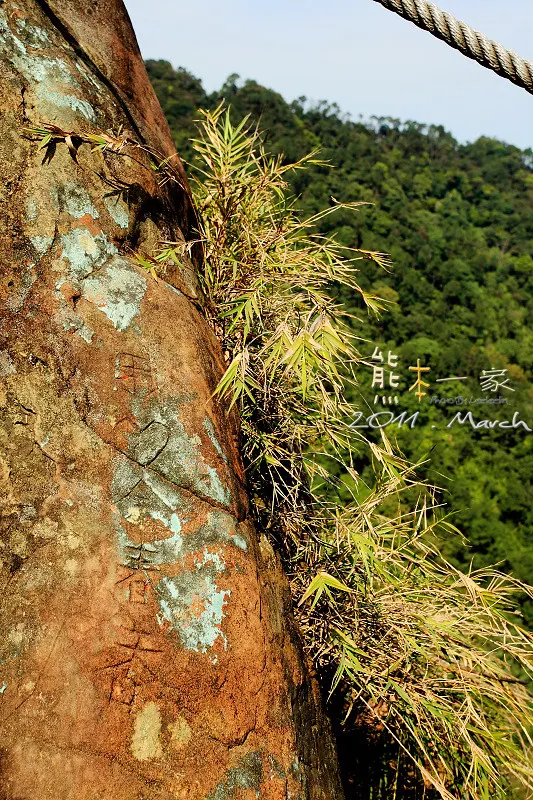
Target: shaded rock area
{"points": [[147, 648]]}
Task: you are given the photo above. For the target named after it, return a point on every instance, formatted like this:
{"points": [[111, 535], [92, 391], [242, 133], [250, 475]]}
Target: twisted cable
{"points": [[464, 38]]}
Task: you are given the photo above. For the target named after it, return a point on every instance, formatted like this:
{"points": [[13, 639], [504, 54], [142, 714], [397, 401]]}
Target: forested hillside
{"points": [[457, 221]]}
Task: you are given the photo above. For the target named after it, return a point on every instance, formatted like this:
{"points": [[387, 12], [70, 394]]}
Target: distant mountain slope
{"points": [[458, 223]]}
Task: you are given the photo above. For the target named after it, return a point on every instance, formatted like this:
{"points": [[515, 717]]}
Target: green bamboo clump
{"points": [[435, 658]]}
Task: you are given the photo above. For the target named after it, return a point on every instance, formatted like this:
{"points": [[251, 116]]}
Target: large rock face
{"points": [[146, 647]]}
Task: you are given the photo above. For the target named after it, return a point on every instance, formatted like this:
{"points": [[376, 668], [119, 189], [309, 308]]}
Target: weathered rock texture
{"points": [[146, 648]]}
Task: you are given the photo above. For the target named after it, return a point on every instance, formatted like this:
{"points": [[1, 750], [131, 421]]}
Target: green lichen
{"points": [[42, 244], [34, 36], [220, 527], [149, 554], [70, 101], [85, 252], [142, 503], [6, 365], [17, 298], [145, 445], [118, 212], [117, 290], [248, 774], [86, 333], [194, 605], [210, 429], [181, 461], [76, 201], [31, 210], [47, 75]]}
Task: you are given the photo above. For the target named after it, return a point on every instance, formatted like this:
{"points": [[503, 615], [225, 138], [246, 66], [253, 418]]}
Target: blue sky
{"points": [[352, 52]]}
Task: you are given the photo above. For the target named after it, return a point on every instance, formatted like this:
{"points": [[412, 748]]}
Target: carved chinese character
{"points": [[134, 374]]}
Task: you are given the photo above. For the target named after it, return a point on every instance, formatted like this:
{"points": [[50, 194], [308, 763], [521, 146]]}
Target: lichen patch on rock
{"points": [[145, 742], [117, 290], [180, 733]]}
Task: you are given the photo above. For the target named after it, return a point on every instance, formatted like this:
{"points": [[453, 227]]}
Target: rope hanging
{"points": [[464, 38]]}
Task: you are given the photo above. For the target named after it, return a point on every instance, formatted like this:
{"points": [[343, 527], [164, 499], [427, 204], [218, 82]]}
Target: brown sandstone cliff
{"points": [[146, 643]]}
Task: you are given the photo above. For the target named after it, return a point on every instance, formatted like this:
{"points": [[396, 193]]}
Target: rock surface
{"points": [[146, 643]]}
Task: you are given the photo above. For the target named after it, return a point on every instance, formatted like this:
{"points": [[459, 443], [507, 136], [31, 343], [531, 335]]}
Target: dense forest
{"points": [[457, 221]]}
